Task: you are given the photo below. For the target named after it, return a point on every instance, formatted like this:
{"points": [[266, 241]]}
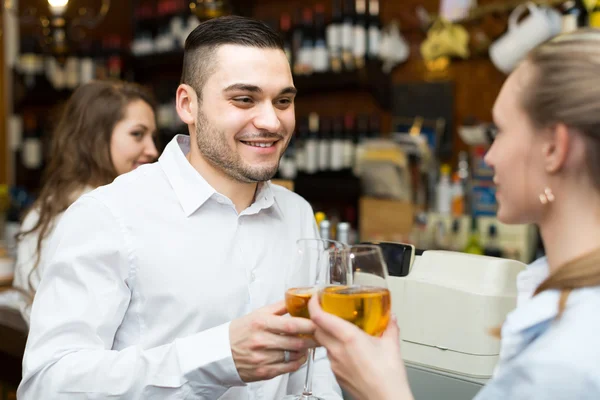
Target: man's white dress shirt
{"points": [[142, 279]]}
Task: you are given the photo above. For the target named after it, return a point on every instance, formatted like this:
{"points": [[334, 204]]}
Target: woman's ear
{"points": [[186, 102], [556, 148]]}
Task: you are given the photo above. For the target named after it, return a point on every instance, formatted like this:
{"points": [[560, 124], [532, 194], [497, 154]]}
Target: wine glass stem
{"points": [[309, 373]]}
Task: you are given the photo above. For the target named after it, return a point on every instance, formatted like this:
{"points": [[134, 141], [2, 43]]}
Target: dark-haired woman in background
{"points": [[106, 129]]}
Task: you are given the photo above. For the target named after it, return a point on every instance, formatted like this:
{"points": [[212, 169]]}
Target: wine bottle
{"points": [[300, 151], [87, 68], [28, 158], [285, 26], [360, 33], [115, 62], [297, 34], [325, 144], [311, 145], [336, 162], [320, 60], [334, 37], [305, 56], [31, 62], [374, 35], [348, 35], [287, 164], [349, 146]]}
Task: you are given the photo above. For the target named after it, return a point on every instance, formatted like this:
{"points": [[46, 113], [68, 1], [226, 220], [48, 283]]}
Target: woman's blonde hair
{"points": [[564, 87]]}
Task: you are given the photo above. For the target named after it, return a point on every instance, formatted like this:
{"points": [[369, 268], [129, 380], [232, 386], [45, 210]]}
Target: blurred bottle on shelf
{"points": [[334, 37], [492, 247], [360, 34], [574, 15], [348, 35], [285, 29], [473, 245], [374, 30]]}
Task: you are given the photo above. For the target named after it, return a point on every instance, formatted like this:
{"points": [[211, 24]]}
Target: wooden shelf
{"points": [[157, 64], [370, 79], [41, 96], [340, 187]]}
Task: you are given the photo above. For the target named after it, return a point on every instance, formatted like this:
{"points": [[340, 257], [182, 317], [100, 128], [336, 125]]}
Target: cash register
{"points": [[446, 303]]}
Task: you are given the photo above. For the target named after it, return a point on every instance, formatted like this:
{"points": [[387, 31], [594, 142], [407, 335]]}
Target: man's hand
{"points": [[259, 340]]}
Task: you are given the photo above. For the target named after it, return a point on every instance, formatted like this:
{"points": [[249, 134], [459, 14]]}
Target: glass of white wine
{"points": [[361, 296], [315, 263]]}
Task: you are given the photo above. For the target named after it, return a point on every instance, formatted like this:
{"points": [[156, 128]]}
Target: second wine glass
{"points": [[317, 263], [361, 296]]}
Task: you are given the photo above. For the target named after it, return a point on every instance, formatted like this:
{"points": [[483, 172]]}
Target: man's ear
{"points": [[556, 148], [186, 101]]}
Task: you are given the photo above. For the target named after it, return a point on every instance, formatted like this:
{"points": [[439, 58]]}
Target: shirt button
{"points": [[252, 277], [220, 201]]}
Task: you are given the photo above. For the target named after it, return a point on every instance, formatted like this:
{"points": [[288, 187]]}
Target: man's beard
{"points": [[212, 144]]}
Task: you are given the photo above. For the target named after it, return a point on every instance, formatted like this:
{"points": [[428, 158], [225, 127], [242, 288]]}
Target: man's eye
{"points": [[245, 100]]}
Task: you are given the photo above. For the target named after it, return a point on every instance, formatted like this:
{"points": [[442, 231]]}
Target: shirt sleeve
{"points": [[540, 381], [80, 303]]}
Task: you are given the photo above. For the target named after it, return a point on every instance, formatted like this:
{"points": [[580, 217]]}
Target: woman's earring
{"points": [[547, 196]]}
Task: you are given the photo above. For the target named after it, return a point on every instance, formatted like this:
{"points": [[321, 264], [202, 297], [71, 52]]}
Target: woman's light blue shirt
{"points": [[545, 357]]}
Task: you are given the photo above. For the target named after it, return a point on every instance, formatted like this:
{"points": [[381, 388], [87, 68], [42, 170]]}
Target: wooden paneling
{"points": [[4, 159]]}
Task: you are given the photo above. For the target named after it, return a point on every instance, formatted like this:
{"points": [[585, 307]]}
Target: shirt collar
{"points": [[191, 188], [530, 278], [538, 309]]}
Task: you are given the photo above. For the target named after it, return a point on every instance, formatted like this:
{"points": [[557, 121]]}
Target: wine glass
{"points": [[316, 262], [363, 297]]}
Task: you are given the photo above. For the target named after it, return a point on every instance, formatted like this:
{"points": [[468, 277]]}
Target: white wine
{"points": [[296, 301], [367, 307]]}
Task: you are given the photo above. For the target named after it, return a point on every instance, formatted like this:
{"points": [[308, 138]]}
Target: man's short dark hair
{"points": [[202, 44]]}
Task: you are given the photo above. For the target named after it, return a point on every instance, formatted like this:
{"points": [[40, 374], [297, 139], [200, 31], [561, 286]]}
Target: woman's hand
{"points": [[367, 367]]}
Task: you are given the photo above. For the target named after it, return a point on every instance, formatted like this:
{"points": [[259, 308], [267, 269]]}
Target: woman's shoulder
{"points": [[31, 219], [33, 215], [572, 339]]}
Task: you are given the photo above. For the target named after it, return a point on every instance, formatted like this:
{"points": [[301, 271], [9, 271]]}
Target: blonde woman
{"points": [[546, 159]]}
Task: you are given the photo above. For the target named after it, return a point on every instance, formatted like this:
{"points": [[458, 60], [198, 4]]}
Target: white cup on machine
{"points": [[541, 24]]}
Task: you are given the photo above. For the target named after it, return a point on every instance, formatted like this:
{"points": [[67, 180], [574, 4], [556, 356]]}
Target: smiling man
{"points": [[167, 283]]}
